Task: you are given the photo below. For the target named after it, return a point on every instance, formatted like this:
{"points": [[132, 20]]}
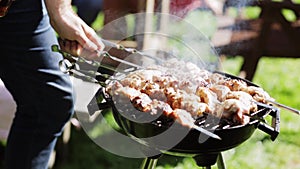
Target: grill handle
{"points": [[274, 129], [98, 102]]}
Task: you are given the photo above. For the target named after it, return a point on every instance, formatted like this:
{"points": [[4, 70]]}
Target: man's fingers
{"points": [[75, 49], [86, 43], [71, 47], [94, 38]]}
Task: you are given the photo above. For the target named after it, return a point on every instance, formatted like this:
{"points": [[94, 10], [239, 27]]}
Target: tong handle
{"points": [[82, 62], [274, 129], [106, 54], [98, 102], [130, 51], [108, 43]]}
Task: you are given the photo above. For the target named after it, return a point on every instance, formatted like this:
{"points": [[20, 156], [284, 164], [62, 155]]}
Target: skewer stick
{"points": [[206, 132], [285, 107]]}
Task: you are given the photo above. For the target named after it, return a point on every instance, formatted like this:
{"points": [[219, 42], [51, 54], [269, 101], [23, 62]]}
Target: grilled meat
{"points": [[258, 94], [184, 117], [221, 91], [142, 102], [235, 110], [184, 92], [245, 98]]}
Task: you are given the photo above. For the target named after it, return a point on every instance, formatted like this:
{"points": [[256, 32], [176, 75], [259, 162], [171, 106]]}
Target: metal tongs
{"points": [[128, 50], [88, 69], [81, 60], [269, 101], [82, 65]]}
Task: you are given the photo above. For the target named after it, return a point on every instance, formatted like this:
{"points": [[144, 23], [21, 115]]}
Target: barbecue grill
{"points": [[206, 150], [154, 136]]}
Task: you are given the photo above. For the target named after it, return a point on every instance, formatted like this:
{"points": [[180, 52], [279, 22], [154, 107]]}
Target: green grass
{"points": [[98, 23], [280, 78]]}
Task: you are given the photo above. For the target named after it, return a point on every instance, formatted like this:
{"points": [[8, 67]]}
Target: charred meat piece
{"points": [[207, 96], [215, 78], [112, 87], [221, 91], [159, 107], [165, 81], [154, 91], [258, 94], [126, 93], [142, 102], [234, 84], [192, 104], [174, 98], [245, 98], [235, 110], [136, 83], [189, 102], [183, 117]]}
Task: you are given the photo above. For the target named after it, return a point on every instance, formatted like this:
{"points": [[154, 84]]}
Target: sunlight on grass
{"points": [[289, 15], [280, 78], [231, 65], [98, 24], [103, 126], [252, 12], [205, 22], [186, 163]]}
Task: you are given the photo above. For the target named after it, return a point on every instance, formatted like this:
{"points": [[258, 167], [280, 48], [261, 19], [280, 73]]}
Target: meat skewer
{"points": [[184, 86], [206, 132], [143, 103], [187, 120], [210, 93], [284, 106]]}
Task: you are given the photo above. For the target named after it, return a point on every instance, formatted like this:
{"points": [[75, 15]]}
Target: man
{"points": [[29, 70]]}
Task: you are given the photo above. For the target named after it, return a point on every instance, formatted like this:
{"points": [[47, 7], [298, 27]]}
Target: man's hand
{"points": [[75, 49], [78, 38]]}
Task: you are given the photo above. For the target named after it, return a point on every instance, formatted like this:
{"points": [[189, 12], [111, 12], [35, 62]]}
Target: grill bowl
{"points": [[193, 141]]}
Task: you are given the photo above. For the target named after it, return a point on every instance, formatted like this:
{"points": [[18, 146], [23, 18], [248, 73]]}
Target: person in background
{"points": [[88, 10], [30, 71]]}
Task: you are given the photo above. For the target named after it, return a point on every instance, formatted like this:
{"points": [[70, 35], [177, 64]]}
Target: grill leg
{"points": [[149, 163], [220, 162], [206, 160]]}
